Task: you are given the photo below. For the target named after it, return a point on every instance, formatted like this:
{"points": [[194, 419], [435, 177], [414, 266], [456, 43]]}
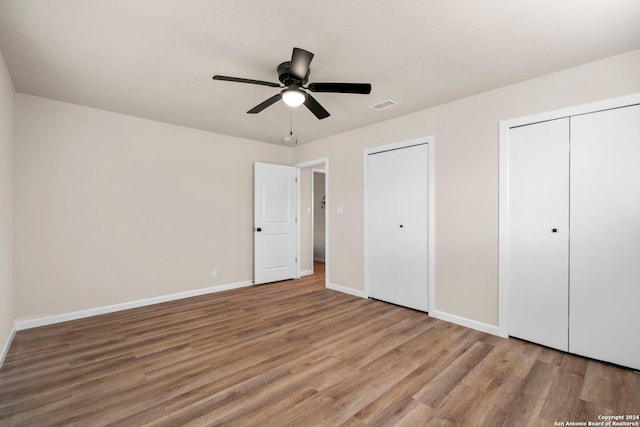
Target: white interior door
{"points": [[412, 188], [275, 228], [605, 236], [538, 204]]}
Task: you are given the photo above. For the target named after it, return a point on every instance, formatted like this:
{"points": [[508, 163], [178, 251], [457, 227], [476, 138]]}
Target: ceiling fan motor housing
{"points": [[286, 78]]}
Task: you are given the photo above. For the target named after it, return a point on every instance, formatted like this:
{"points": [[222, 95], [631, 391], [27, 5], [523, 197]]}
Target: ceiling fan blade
{"points": [[300, 60], [265, 104], [361, 88], [314, 106], [241, 80]]}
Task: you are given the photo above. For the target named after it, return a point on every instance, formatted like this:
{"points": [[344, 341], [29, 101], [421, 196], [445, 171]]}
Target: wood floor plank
{"points": [[611, 387], [564, 397], [295, 353], [437, 390], [419, 414], [394, 402], [527, 400], [459, 406], [258, 400]]}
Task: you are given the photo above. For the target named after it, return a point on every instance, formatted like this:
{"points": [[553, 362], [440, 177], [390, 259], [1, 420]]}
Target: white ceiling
{"points": [[155, 58]]}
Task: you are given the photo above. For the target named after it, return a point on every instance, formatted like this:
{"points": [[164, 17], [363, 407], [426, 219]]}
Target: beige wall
{"points": [[112, 208], [466, 168], [7, 96]]}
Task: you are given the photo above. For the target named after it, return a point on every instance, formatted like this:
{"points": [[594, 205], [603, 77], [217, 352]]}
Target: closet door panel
{"points": [[412, 186], [538, 204], [382, 228], [605, 236]]}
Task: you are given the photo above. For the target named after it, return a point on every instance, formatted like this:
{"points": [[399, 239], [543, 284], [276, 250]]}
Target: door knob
{"points": [[258, 229], [401, 226], [554, 230]]}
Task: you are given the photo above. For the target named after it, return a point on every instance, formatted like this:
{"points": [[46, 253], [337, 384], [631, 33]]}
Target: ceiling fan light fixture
{"points": [[293, 97]]}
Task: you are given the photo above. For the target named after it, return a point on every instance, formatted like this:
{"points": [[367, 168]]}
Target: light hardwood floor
{"points": [[294, 353]]}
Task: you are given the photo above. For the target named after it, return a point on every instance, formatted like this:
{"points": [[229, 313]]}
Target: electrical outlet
{"points": [[214, 272]]}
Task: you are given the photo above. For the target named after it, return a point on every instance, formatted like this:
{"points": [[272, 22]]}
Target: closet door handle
{"points": [[554, 230], [258, 229], [401, 225]]}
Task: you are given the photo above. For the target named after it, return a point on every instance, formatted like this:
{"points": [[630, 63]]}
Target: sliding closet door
{"points": [[538, 215], [605, 236]]}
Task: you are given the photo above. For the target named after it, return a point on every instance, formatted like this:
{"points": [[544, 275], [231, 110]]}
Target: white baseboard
{"points": [[7, 344], [65, 317], [319, 259], [306, 273], [345, 290], [463, 321]]}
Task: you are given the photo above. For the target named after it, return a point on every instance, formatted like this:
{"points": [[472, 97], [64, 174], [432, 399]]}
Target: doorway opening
{"points": [[313, 224], [318, 215]]}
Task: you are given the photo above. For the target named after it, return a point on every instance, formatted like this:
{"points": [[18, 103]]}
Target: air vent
{"points": [[383, 105]]}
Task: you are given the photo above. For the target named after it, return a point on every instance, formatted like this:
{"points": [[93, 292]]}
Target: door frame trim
{"points": [[503, 210], [321, 161], [429, 140]]}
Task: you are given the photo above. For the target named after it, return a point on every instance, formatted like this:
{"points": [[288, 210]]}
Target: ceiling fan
{"points": [[293, 76]]}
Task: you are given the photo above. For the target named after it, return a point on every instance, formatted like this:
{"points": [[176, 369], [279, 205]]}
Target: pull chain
{"points": [[296, 123], [291, 124], [291, 127]]}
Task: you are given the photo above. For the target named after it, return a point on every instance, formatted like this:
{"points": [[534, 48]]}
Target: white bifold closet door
{"points": [[539, 233], [397, 232], [604, 309], [574, 234]]}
